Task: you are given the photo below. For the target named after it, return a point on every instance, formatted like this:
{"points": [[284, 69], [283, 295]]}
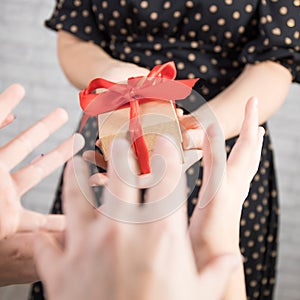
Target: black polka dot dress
{"points": [[213, 40]]}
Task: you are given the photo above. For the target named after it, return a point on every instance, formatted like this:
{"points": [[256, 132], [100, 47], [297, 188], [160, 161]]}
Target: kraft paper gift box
{"points": [[156, 117]]}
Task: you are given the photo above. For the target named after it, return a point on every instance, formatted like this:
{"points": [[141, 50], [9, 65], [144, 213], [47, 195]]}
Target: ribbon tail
{"points": [[188, 82], [137, 138], [83, 121]]}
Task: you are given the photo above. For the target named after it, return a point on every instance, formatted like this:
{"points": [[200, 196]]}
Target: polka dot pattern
{"points": [[213, 41], [225, 30]]}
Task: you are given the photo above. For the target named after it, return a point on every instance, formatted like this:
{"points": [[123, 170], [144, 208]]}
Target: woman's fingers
{"points": [[179, 112], [192, 132], [190, 157], [193, 139], [95, 158], [17, 149], [31, 175], [9, 99]]}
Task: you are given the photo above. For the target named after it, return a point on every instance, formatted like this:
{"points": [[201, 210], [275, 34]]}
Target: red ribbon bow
{"points": [[158, 85]]}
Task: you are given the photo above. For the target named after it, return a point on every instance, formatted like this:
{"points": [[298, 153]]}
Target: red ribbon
{"points": [[160, 84]]}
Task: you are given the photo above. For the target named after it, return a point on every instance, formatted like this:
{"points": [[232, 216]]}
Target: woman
{"points": [[240, 49]]}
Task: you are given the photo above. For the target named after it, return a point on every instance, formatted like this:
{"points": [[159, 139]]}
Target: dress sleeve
{"points": [[78, 18], [279, 36]]}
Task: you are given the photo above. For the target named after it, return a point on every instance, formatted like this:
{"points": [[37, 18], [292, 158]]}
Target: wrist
{"points": [[205, 253], [118, 71]]}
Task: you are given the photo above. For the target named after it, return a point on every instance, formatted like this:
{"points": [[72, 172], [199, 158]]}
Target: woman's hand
{"points": [[13, 217], [193, 131], [189, 157]]}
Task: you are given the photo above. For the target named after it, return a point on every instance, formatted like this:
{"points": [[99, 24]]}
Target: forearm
{"points": [[83, 61], [268, 81]]}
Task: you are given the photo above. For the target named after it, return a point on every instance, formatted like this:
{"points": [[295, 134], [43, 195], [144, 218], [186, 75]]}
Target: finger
{"points": [[9, 119], [95, 158], [9, 99], [189, 121], [98, 144], [245, 155], [9, 204], [193, 139], [121, 194], [169, 195], [219, 270], [214, 163], [15, 151], [31, 175], [78, 201], [47, 255], [167, 157], [77, 195], [179, 112], [98, 179], [32, 221], [122, 172]]}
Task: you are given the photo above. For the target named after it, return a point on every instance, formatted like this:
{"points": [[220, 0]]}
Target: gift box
{"points": [[156, 117], [139, 110]]}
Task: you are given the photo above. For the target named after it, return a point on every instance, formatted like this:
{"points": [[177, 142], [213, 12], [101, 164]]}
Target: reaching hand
{"points": [[216, 218], [110, 259], [13, 217], [108, 255], [193, 132]]}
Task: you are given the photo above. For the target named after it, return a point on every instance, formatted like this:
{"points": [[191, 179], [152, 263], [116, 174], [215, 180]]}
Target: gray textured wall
{"points": [[28, 56]]}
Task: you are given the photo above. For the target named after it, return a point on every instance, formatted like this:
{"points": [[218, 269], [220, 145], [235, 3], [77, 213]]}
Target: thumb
{"points": [[219, 271]]}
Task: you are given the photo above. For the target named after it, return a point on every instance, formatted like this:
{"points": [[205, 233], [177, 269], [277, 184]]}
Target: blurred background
{"points": [[28, 56]]}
